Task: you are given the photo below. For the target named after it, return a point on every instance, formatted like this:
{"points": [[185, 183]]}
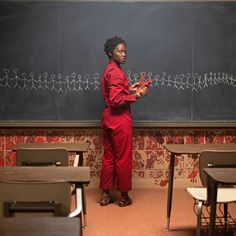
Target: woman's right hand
{"points": [[143, 91]]}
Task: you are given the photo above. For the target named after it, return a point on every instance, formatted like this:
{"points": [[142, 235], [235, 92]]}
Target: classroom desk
{"points": [[75, 175], [59, 226], [179, 149], [215, 176], [78, 148]]}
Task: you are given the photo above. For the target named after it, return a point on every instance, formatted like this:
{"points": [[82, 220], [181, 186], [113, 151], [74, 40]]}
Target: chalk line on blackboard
{"points": [[76, 82]]}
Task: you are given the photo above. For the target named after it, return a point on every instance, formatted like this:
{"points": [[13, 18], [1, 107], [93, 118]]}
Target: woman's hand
{"points": [[141, 92], [134, 87]]}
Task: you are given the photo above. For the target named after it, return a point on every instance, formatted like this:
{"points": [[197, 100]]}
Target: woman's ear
{"points": [[110, 54]]}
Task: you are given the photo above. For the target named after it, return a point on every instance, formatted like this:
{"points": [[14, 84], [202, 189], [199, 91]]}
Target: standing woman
{"points": [[117, 124]]}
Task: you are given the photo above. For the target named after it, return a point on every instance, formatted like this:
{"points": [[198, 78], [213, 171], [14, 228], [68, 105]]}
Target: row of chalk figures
{"points": [[75, 82]]}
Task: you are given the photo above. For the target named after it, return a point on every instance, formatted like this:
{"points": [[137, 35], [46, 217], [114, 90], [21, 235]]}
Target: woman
{"points": [[117, 124]]}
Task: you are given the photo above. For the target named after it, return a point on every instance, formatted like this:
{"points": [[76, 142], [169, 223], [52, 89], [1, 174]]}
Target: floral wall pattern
{"points": [[150, 158]]}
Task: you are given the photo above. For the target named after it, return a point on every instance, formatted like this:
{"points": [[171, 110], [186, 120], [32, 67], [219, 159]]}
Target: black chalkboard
{"points": [[52, 58]]}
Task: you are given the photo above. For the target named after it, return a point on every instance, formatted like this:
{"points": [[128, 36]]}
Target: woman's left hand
{"points": [[134, 87]]}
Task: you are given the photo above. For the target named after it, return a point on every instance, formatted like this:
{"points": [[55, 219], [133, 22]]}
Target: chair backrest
{"points": [[35, 198], [215, 158], [41, 157]]}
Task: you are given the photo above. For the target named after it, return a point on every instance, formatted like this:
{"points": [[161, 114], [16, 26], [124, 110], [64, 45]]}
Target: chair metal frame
{"points": [[213, 158]]}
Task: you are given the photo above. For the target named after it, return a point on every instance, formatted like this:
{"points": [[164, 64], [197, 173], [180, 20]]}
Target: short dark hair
{"points": [[111, 43]]}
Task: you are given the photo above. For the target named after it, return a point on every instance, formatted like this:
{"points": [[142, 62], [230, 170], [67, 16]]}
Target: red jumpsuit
{"points": [[117, 129]]}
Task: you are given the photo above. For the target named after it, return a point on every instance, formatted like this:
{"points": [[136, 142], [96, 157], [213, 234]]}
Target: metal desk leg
{"points": [[212, 191], [84, 206], [81, 158], [170, 189], [80, 162]]}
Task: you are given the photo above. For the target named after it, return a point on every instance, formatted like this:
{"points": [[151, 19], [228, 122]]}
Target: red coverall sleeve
{"points": [[119, 90]]}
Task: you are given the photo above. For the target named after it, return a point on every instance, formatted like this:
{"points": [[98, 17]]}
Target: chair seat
{"points": [[224, 195]]}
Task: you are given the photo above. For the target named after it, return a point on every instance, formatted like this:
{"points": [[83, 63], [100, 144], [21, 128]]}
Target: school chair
{"points": [[41, 157], [51, 197], [225, 195], [49, 157], [37, 199]]}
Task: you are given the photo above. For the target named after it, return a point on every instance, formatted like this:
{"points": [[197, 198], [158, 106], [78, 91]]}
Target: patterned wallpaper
{"points": [[150, 159]]}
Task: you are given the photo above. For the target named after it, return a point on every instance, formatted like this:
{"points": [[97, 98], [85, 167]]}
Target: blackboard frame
{"points": [[97, 124]]}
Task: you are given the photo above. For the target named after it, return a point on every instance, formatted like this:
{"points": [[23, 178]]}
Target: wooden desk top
{"points": [[37, 226], [198, 148], [222, 175], [45, 174], [70, 147]]}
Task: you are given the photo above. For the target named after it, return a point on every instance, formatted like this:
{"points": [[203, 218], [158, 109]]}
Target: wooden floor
{"points": [[145, 217]]}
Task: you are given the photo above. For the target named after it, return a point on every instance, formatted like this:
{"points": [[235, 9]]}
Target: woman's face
{"points": [[119, 53]]}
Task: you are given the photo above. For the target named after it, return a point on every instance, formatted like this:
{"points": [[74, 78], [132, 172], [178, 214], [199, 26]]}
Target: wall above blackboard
{"points": [[52, 59]]}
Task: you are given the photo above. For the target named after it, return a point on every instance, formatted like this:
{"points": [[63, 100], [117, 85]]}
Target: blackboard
{"points": [[52, 59]]}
